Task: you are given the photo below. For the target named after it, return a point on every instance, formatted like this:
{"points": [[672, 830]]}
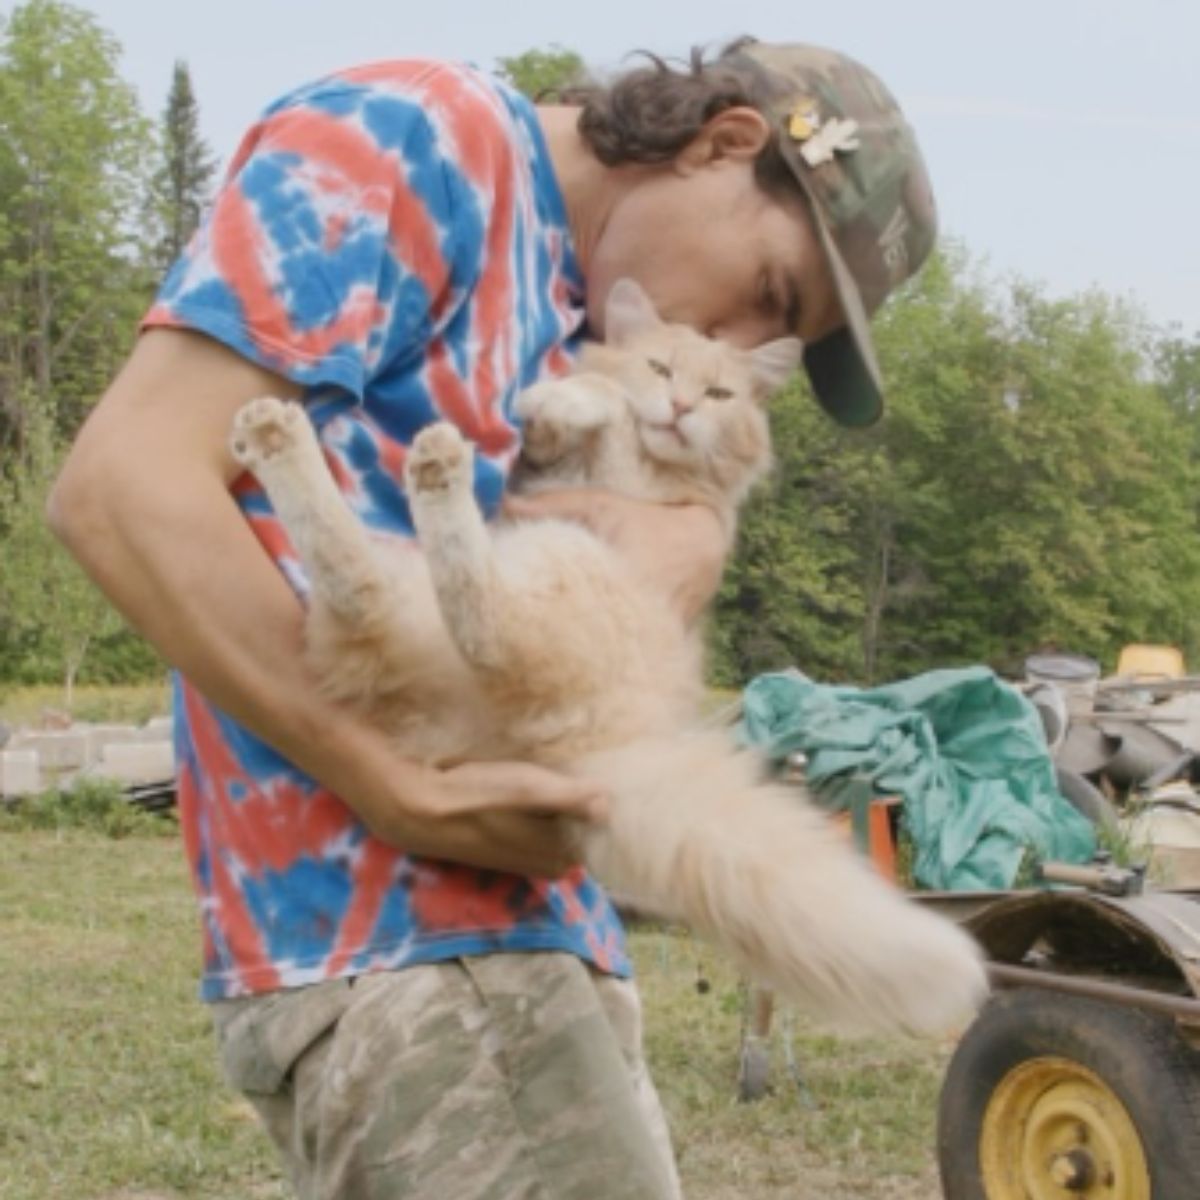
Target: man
{"points": [[419, 992]]}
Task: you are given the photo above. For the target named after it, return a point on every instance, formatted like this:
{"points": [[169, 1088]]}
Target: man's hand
{"points": [[679, 548], [505, 816], [476, 787]]}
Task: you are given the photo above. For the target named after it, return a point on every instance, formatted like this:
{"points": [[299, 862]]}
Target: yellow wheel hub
{"points": [[1052, 1130]]}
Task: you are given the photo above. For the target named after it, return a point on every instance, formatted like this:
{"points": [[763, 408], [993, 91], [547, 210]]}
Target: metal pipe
{"points": [[1181, 1008]]}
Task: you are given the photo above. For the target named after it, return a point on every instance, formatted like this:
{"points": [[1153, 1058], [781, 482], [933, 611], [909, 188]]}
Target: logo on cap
{"points": [[820, 140], [893, 247]]}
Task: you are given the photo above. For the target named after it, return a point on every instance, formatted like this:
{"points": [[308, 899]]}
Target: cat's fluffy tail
{"points": [[696, 835]]}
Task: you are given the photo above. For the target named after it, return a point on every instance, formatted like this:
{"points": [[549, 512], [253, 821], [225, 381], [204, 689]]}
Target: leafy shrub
{"points": [[96, 805]]}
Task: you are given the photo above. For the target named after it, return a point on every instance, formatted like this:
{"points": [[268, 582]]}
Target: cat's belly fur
{"points": [[593, 658]]}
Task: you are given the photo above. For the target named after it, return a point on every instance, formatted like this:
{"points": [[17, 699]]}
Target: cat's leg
{"points": [[275, 440], [529, 608], [457, 547], [559, 415], [492, 613]]}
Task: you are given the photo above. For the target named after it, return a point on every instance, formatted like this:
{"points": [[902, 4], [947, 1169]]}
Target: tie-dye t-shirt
{"points": [[393, 239]]}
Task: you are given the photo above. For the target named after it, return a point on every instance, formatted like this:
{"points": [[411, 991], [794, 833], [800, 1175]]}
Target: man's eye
{"points": [[718, 393], [659, 368]]}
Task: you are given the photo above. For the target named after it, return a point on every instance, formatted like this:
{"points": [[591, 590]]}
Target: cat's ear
{"points": [[627, 312], [774, 362]]}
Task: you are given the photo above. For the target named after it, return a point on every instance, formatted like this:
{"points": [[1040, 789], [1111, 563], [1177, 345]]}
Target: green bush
{"points": [[96, 805], [120, 657]]}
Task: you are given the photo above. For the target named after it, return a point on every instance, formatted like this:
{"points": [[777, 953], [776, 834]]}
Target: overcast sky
{"points": [[1063, 136]]}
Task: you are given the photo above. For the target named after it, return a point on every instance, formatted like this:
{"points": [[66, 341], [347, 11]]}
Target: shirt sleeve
{"points": [[328, 251]]}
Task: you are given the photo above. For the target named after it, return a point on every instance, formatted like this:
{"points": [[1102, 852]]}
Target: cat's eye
{"points": [[718, 393], [659, 368]]}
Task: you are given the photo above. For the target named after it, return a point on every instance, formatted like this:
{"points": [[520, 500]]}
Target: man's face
{"points": [[714, 251]]}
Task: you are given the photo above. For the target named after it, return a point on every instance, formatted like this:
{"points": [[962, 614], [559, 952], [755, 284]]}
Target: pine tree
{"points": [[180, 188]]}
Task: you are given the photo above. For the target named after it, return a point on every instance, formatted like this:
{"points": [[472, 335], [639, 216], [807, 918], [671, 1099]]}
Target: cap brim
{"points": [[842, 381], [842, 367]]}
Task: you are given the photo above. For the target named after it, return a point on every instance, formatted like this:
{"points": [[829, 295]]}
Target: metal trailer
{"points": [[1081, 1074]]}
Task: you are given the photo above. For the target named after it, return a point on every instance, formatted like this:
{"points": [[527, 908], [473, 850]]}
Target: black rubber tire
{"points": [[1138, 1055]]}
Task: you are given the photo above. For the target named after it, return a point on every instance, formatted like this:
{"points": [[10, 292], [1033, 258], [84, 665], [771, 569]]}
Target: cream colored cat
{"points": [[535, 640]]}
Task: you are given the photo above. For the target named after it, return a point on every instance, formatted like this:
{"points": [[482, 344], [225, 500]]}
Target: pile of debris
{"points": [[1126, 750], [56, 752]]}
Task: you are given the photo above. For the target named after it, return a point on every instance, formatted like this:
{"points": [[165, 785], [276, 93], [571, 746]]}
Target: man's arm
{"points": [[143, 503]]}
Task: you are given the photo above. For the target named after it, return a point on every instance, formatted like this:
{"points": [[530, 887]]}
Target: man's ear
{"points": [[738, 133], [628, 311]]}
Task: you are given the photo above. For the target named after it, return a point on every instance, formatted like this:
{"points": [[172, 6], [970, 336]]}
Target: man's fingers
{"points": [[581, 799], [529, 845], [521, 787], [560, 795]]}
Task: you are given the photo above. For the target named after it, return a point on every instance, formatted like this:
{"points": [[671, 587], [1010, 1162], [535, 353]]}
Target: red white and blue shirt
{"points": [[392, 238]]}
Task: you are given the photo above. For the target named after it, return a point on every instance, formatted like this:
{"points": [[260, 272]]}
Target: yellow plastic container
{"points": [[1140, 661]]}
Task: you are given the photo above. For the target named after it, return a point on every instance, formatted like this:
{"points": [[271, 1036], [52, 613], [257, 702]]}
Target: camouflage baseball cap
{"points": [[856, 160]]}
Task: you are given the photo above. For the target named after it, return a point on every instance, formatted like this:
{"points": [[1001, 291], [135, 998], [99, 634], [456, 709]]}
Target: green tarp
{"points": [[964, 751]]}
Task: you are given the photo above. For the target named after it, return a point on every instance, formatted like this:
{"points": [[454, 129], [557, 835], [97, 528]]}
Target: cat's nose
{"points": [[679, 406]]}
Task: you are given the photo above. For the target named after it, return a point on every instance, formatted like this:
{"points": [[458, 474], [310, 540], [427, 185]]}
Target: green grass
{"points": [[132, 703], [105, 1056], [111, 1090], [845, 1118]]}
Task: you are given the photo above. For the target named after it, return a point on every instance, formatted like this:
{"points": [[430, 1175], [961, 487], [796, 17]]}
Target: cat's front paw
{"points": [[532, 402], [548, 428], [264, 429], [440, 460]]}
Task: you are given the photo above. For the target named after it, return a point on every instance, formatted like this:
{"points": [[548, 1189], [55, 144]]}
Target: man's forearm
{"points": [[143, 503], [174, 554]]}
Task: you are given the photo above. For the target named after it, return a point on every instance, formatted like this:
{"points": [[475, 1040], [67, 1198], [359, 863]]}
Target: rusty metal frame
{"points": [[1181, 1008], [1162, 928]]}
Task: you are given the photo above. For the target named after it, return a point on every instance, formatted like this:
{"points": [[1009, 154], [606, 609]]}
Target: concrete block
{"points": [[158, 729], [57, 751], [136, 762], [19, 774], [99, 736]]}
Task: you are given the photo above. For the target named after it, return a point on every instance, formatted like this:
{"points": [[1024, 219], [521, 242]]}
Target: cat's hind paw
{"points": [[265, 429], [440, 460]]}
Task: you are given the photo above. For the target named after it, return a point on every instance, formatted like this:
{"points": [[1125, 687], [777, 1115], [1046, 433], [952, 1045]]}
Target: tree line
{"points": [[1035, 485], [96, 200], [1036, 481]]}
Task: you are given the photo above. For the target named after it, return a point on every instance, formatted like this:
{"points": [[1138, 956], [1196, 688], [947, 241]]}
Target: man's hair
{"points": [[651, 113]]}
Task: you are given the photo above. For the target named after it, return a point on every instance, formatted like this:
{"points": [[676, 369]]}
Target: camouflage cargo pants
{"points": [[507, 1077]]}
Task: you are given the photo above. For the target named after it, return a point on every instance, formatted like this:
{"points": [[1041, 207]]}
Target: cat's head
{"points": [[698, 403]]}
